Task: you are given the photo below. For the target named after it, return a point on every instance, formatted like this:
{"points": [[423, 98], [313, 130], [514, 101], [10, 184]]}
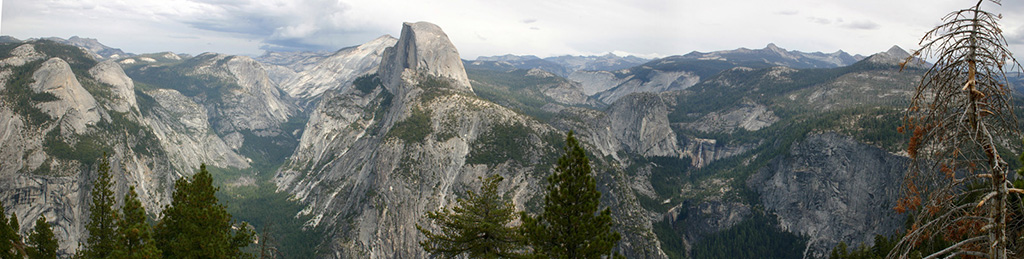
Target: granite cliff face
{"points": [[373, 161], [423, 49], [637, 124], [123, 91], [59, 112], [676, 142], [74, 107], [832, 188], [62, 110], [183, 127], [337, 71], [249, 102]]}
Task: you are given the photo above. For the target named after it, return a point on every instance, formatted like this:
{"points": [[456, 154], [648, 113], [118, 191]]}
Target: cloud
{"points": [[820, 20], [788, 12], [861, 25], [529, 21], [1015, 36]]}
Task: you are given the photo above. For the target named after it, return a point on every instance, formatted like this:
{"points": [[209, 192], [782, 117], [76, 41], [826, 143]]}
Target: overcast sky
{"points": [[494, 27]]}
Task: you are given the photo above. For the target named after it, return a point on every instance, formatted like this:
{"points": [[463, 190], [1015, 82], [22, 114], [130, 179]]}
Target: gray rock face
{"points": [[184, 131], [75, 107], [109, 72], [637, 124], [22, 54], [704, 151], [35, 182], [832, 188], [595, 81], [256, 105], [338, 70], [748, 115], [369, 183], [658, 81], [564, 92], [59, 199], [422, 49]]}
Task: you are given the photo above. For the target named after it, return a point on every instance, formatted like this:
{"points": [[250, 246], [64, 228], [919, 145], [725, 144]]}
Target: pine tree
{"points": [[571, 225], [479, 226], [196, 225], [134, 233], [9, 238], [43, 243], [102, 217]]}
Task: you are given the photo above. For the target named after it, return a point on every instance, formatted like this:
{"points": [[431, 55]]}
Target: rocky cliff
{"points": [[337, 71], [637, 124], [423, 49], [60, 112], [832, 188], [373, 161]]}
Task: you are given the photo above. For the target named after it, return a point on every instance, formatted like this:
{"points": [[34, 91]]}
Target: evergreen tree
{"points": [[571, 225], [196, 225], [134, 233], [43, 243], [478, 226], [9, 238], [102, 217]]}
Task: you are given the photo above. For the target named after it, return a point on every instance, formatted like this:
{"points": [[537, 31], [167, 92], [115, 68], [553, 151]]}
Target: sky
{"points": [[646, 28]]}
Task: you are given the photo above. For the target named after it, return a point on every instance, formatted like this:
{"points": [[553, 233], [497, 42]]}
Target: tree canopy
{"points": [[196, 225], [571, 226], [478, 226]]}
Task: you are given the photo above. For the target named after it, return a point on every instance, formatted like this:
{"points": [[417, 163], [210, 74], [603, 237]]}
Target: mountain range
{"points": [[348, 150]]}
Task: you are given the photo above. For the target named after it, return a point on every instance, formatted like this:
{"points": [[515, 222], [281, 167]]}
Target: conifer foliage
{"points": [[10, 241], [571, 226], [479, 226], [43, 243], [135, 236], [102, 216], [196, 225]]}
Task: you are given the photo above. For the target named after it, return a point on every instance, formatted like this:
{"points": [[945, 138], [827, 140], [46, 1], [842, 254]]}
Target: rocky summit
{"points": [[346, 151]]}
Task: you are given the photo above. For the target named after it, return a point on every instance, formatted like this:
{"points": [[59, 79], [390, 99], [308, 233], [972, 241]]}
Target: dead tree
{"points": [[960, 117]]}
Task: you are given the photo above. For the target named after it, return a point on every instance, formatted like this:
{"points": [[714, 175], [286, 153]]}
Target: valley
{"points": [[774, 152]]}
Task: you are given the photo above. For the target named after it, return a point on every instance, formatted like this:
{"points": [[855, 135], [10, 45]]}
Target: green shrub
{"points": [[22, 99], [367, 83], [501, 143], [413, 129]]}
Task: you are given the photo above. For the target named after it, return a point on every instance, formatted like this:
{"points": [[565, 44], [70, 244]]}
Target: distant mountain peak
{"points": [[896, 51], [776, 48]]}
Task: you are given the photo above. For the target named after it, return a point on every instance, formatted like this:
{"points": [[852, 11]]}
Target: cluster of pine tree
{"points": [[41, 243], [571, 225], [194, 225]]}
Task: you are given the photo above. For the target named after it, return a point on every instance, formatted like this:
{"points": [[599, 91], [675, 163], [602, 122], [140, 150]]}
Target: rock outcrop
{"points": [[636, 124], [831, 189], [704, 151], [242, 100], [74, 106], [123, 91], [594, 82], [423, 49], [338, 70], [373, 161], [748, 115], [185, 133], [656, 81]]}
